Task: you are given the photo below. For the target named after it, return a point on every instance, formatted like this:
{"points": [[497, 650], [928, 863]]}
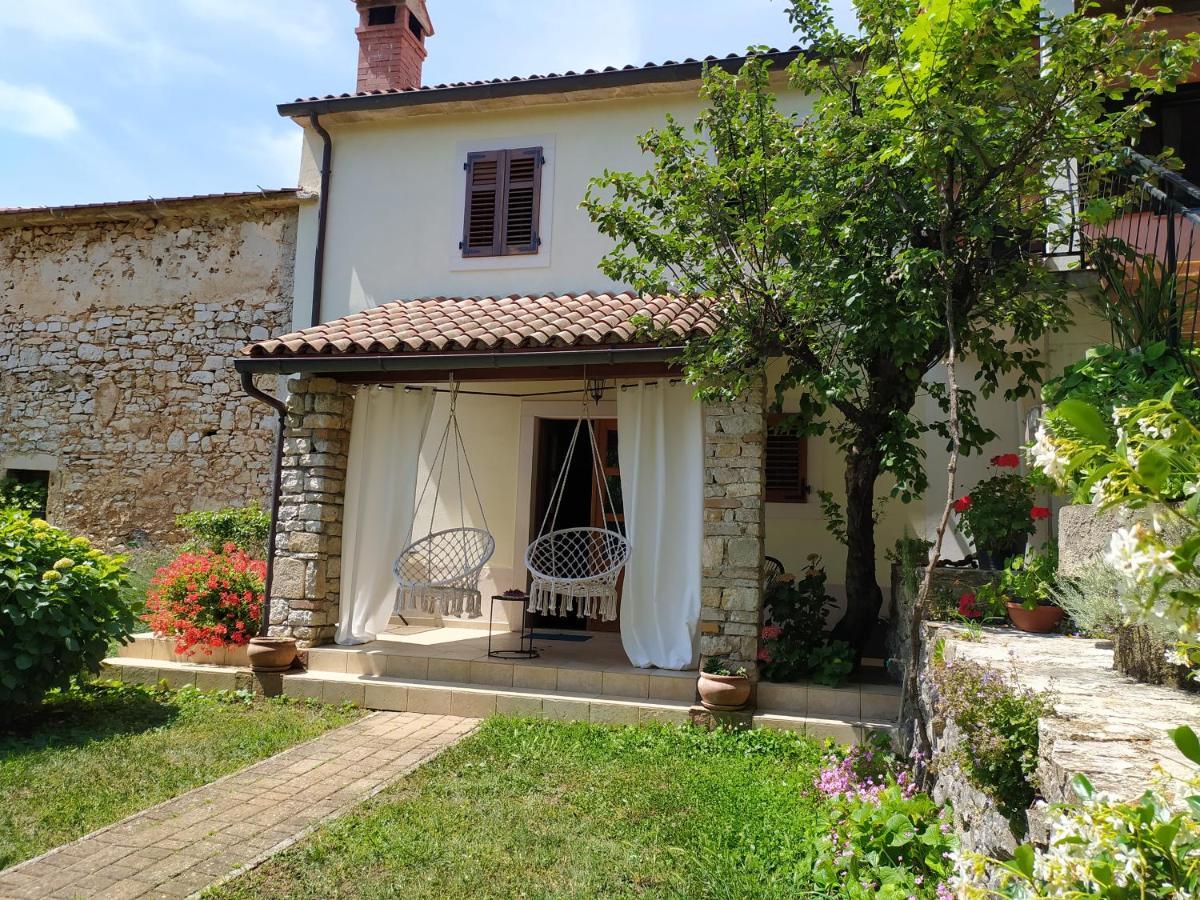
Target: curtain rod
{"points": [[582, 390]]}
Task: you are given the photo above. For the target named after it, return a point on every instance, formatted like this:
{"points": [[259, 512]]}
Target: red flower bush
{"points": [[207, 599], [1006, 461], [1039, 512], [962, 504], [967, 607]]}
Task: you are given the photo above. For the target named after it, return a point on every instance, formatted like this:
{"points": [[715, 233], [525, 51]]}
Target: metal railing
{"points": [[1140, 231]]}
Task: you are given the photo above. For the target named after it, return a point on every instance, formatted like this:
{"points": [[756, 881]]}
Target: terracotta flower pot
{"points": [[1039, 620], [271, 654], [724, 692]]}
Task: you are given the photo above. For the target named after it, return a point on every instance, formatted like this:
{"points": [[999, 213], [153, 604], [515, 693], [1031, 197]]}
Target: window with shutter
{"points": [[503, 203], [786, 463]]}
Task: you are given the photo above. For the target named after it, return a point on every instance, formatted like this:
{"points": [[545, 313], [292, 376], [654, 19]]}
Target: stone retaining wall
{"points": [[115, 340], [1105, 726]]}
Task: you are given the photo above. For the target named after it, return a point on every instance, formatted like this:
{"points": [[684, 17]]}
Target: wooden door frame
{"points": [[531, 411]]}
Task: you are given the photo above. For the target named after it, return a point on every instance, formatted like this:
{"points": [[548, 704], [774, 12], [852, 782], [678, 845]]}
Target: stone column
{"points": [[308, 542], [734, 490]]}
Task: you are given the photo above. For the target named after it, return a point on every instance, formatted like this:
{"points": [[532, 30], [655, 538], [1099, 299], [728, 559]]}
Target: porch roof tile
{"points": [[495, 324]]}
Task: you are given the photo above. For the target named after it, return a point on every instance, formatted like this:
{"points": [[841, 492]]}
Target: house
{"points": [[117, 321], [451, 330]]}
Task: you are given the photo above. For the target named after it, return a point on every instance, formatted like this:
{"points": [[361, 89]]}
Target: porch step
{"points": [[407, 695], [533, 675]]}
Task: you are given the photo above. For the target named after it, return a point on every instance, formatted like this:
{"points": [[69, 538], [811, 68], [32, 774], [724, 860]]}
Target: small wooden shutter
{"points": [[485, 196], [503, 203], [786, 463], [522, 201]]}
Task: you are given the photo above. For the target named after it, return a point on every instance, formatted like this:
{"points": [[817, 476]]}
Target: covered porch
{"points": [[513, 368]]}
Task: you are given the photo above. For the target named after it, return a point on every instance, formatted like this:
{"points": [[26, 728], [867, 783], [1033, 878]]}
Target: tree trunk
{"points": [[863, 596]]}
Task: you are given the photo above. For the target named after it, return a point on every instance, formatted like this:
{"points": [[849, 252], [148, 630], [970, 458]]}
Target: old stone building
{"points": [[117, 322]]}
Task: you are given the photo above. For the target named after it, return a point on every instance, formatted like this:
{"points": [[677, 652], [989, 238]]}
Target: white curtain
{"points": [[381, 484], [662, 480]]}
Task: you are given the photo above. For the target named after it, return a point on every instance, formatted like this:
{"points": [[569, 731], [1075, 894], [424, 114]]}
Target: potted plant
{"points": [[1024, 591], [998, 515], [211, 599], [721, 688]]}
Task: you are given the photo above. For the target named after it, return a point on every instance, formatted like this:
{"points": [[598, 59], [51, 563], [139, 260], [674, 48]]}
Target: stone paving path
{"points": [[182, 846]]}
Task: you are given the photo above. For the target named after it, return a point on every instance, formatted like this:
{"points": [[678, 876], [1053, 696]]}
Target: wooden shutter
{"points": [[503, 203], [786, 463], [522, 201], [485, 199]]}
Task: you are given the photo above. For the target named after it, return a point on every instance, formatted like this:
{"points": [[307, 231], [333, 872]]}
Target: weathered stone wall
{"points": [[115, 340], [1105, 726], [734, 486], [308, 543]]}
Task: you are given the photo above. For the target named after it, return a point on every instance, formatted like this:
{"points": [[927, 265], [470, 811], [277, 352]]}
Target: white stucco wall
{"points": [[396, 204]]}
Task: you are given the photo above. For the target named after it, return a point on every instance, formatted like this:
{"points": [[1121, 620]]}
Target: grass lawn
{"points": [[93, 755], [539, 809]]}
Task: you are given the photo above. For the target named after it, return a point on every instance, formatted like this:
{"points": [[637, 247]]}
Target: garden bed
{"points": [[92, 756]]}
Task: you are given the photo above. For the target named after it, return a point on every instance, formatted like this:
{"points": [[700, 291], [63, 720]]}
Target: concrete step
{"points": [[530, 675], [383, 692]]}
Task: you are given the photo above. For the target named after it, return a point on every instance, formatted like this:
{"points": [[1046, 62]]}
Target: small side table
{"points": [[524, 649]]}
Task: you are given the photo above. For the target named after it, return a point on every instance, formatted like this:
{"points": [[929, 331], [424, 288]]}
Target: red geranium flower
{"points": [[1006, 461], [967, 608], [1039, 512], [962, 504]]}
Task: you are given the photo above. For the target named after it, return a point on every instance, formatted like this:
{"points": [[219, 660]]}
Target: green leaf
{"points": [[1022, 861], [1082, 787], [1153, 469], [1084, 418], [1187, 742], [24, 661]]}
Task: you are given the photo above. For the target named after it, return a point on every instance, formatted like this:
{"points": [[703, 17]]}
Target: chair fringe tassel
{"points": [[600, 602], [444, 601]]}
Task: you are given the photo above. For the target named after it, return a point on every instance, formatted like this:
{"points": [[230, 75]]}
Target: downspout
{"points": [[280, 407], [322, 217]]}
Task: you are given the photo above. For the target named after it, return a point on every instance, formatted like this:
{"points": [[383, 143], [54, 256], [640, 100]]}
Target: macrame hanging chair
{"points": [[439, 573], [576, 569]]}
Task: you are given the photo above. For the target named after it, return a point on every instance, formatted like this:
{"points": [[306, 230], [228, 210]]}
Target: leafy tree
{"points": [[899, 225]]}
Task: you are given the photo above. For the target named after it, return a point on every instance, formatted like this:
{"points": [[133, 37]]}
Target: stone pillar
{"points": [[308, 541], [734, 491]]}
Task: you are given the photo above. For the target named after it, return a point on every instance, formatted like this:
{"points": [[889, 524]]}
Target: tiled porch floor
{"points": [[596, 666]]}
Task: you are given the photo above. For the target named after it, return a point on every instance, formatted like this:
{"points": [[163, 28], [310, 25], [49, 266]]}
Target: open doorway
{"points": [[581, 505]]}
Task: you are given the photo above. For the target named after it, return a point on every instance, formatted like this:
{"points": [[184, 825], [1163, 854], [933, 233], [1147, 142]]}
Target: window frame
{"points": [[778, 495], [503, 157]]}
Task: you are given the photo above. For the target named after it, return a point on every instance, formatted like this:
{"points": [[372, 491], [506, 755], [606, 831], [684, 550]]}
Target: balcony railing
{"points": [[1140, 233]]}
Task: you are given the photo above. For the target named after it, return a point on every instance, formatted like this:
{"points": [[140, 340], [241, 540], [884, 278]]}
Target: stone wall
{"points": [[115, 338], [734, 490], [1105, 726], [308, 541]]}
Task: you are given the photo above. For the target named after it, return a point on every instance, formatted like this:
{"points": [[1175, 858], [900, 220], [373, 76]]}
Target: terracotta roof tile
{"points": [[466, 324]]}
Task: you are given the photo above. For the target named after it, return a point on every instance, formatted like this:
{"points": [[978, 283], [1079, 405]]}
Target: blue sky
{"points": [[127, 99]]}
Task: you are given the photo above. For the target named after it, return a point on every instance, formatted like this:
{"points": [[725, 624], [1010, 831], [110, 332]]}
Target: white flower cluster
{"points": [[1046, 455], [1139, 555]]}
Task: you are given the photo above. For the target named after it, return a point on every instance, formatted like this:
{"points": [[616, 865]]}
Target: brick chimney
{"points": [[391, 44]]}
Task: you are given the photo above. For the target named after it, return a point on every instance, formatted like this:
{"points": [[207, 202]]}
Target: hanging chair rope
{"points": [[439, 573], [576, 569]]}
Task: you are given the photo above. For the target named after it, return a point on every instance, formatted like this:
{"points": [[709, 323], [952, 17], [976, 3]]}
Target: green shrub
{"points": [[246, 527], [796, 645], [999, 724], [60, 606], [25, 495]]}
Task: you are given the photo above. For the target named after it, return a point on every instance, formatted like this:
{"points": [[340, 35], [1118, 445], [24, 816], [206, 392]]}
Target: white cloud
{"points": [[32, 110], [63, 20], [273, 152], [295, 22]]}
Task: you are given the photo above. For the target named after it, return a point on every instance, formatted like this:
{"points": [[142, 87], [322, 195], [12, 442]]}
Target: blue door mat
{"points": [[573, 638]]}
